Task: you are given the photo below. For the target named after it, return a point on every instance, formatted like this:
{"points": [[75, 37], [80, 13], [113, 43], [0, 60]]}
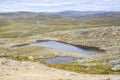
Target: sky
{"points": [[59, 5]]}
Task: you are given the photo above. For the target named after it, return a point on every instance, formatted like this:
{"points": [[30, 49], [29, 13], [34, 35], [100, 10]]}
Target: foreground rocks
{"points": [[26, 70]]}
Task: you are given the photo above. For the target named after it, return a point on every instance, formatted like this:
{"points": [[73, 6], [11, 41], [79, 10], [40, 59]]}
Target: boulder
{"points": [[115, 64], [31, 58]]}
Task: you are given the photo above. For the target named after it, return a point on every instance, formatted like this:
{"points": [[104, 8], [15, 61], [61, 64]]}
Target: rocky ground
{"points": [[27, 70]]}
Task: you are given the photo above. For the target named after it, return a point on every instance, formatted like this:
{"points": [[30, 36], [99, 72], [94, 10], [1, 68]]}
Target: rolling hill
{"points": [[25, 24]]}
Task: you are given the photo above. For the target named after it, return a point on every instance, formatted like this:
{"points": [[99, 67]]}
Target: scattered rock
{"points": [[31, 58], [115, 78], [116, 67], [115, 64], [88, 68], [2, 54], [80, 60], [40, 57]]}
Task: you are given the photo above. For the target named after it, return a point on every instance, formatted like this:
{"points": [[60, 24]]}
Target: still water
{"points": [[63, 46]]}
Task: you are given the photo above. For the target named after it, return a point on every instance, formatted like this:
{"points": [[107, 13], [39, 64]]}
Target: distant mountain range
{"points": [[85, 14], [86, 17], [28, 15], [65, 14]]}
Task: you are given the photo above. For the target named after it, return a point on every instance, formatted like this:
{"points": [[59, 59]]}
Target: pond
{"points": [[64, 47], [59, 60]]}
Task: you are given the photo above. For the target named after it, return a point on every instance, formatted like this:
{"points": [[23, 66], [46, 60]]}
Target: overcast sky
{"points": [[59, 5]]}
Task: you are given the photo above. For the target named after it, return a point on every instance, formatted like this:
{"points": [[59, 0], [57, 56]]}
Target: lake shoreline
{"points": [[79, 46]]}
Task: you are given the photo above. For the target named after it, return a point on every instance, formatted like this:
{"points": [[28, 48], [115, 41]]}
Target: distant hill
{"points": [[86, 14], [58, 15], [27, 15]]}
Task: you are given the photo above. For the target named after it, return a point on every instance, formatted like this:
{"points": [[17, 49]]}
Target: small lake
{"points": [[64, 47], [59, 60]]}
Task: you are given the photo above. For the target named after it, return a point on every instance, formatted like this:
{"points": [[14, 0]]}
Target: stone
{"points": [[115, 64], [31, 58], [115, 78], [116, 67], [40, 57]]}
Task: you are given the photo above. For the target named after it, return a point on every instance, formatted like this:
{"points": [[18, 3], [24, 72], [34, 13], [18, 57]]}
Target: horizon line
{"points": [[58, 11]]}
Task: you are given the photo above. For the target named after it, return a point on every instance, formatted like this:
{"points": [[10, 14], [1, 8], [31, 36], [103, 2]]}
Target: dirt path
{"points": [[26, 70]]}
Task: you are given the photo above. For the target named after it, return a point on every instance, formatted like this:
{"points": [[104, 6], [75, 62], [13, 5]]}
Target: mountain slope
{"points": [[25, 24]]}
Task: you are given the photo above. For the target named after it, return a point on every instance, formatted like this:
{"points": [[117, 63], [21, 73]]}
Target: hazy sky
{"points": [[59, 5]]}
